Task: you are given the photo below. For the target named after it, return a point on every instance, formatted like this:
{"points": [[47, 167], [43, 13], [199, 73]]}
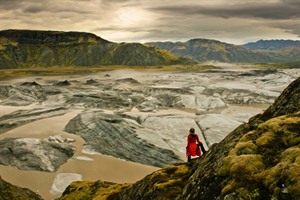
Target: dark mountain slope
{"points": [[23, 48]]}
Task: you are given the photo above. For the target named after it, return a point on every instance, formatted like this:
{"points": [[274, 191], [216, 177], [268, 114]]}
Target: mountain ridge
{"points": [[213, 50], [271, 44], [31, 48], [26, 48]]}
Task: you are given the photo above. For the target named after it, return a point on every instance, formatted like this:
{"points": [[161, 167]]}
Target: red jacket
{"points": [[192, 148]]}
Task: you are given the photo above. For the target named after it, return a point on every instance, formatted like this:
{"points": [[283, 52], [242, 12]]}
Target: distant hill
{"points": [[278, 50], [213, 50], [272, 44], [27, 48]]}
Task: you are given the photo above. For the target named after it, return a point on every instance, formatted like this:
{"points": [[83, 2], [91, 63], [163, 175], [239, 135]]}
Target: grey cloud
{"points": [[33, 9], [10, 4], [164, 19], [241, 10], [289, 26], [54, 6], [291, 2]]}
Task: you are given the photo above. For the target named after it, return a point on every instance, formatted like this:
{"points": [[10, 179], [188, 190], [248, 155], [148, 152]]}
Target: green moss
{"points": [[92, 190], [262, 157], [265, 139], [245, 148]]}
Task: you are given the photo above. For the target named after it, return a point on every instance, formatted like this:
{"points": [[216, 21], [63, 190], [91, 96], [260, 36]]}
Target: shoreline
{"points": [[102, 167]]}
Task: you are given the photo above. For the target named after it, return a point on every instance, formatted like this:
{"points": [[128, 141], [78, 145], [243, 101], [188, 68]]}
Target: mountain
{"points": [[27, 48], [280, 50], [271, 44], [212, 50], [258, 160]]}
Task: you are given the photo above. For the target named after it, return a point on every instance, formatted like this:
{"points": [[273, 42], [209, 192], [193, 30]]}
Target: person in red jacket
{"points": [[193, 145]]}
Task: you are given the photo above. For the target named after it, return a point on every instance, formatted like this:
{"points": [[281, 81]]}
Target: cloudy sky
{"points": [[233, 21]]}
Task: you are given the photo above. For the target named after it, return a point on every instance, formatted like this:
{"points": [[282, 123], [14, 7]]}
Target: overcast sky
{"points": [[232, 21]]}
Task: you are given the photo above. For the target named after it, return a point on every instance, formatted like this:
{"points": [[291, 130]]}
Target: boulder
{"points": [[110, 134], [34, 154]]}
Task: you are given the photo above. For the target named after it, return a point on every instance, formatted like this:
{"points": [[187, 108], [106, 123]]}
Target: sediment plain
{"points": [[121, 125]]}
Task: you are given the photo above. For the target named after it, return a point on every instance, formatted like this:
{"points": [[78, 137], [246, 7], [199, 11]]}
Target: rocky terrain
{"points": [[258, 160], [138, 116]]}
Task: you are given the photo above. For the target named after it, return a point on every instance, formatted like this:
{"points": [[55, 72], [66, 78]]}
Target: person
{"points": [[193, 145]]}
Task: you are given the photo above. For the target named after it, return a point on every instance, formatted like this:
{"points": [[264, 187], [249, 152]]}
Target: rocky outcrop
{"points": [[9, 191], [92, 190], [24, 94], [166, 183], [162, 184], [34, 154], [111, 134]]}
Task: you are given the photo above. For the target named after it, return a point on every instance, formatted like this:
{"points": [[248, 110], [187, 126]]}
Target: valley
{"points": [[124, 124]]}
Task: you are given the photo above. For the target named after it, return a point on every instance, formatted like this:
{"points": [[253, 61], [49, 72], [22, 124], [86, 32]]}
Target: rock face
{"points": [[9, 191], [22, 48], [111, 134], [34, 154], [258, 160]]}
